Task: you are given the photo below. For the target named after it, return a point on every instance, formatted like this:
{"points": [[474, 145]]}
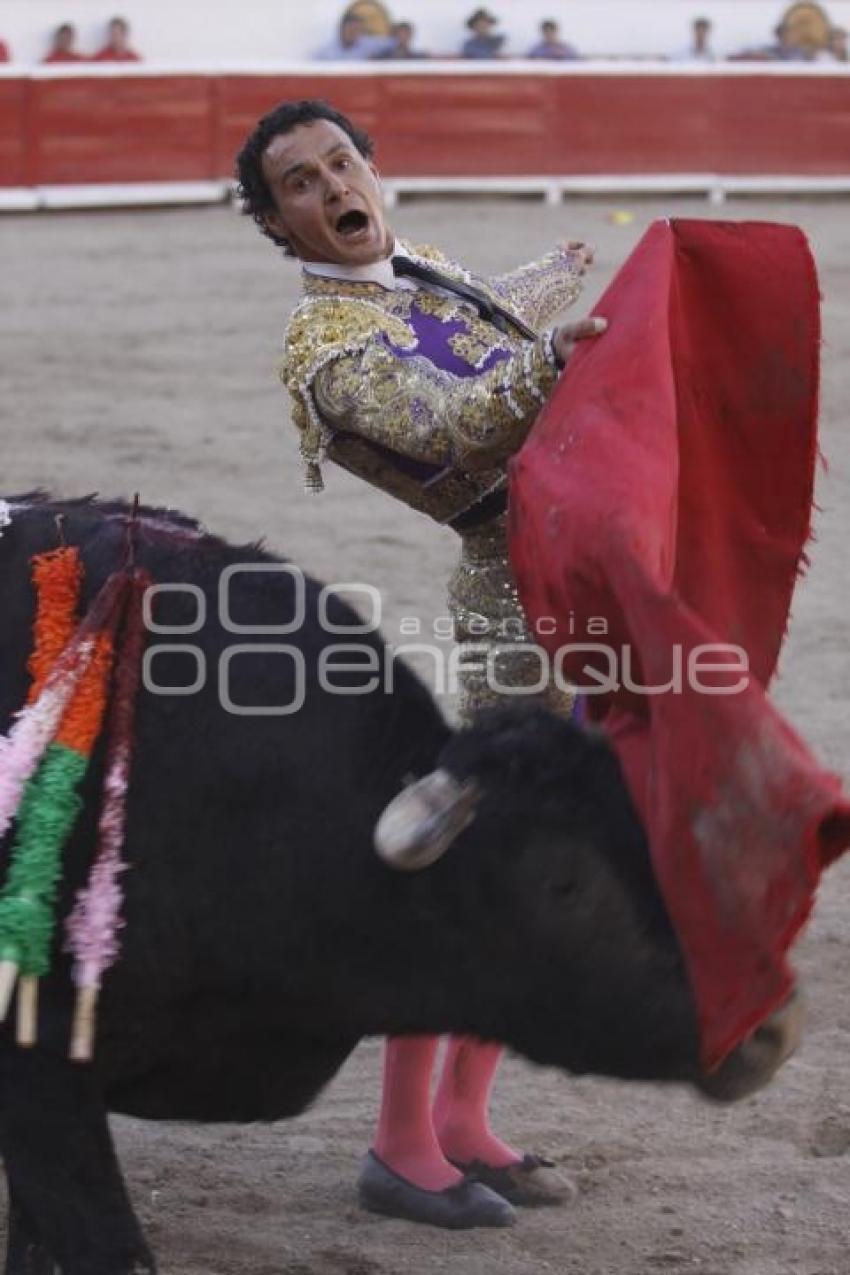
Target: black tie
{"points": [[489, 310]]}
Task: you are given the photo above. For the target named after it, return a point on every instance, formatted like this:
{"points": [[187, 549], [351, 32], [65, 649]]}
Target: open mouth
{"points": [[352, 223]]}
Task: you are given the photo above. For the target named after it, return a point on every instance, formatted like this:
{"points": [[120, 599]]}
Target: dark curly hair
{"points": [[253, 190]]}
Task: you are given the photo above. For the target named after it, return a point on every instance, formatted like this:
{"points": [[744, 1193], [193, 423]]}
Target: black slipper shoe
{"points": [[458, 1208], [533, 1182]]}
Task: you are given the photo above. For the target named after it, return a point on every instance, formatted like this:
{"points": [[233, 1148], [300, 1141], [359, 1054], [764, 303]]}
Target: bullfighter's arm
{"points": [[541, 289], [416, 409]]}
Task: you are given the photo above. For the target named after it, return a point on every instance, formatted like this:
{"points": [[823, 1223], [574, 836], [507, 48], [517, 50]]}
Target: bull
{"points": [[265, 937]]}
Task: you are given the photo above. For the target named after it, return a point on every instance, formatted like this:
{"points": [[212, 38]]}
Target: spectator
{"points": [[836, 49], [4, 52], [401, 48], [117, 47], [782, 50], [353, 43], [62, 45], [482, 43], [550, 46], [699, 49]]}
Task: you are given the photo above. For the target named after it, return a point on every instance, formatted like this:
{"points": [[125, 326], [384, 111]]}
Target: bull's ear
{"points": [[420, 824]]}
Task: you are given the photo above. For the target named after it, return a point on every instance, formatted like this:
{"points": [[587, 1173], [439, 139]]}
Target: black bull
{"points": [[264, 937]]}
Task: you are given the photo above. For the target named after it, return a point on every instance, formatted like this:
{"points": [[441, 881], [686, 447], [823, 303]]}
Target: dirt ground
{"points": [[138, 354]]}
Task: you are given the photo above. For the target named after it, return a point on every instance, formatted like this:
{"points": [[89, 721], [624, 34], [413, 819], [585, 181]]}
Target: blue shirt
{"points": [[482, 46], [363, 48], [557, 52]]}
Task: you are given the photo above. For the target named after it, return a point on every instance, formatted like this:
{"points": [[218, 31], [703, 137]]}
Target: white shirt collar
{"points": [[377, 272]]}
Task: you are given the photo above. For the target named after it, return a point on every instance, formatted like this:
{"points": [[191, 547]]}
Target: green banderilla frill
{"points": [[49, 808]]}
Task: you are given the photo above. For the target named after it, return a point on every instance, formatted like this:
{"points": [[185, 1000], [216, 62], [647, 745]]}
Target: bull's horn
{"points": [[420, 824]]}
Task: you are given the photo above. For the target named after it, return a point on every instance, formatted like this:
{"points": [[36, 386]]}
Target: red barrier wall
{"points": [[13, 117], [495, 125], [151, 128], [187, 127]]}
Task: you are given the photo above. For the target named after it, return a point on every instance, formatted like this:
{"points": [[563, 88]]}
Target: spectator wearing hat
{"points": [[62, 45], [117, 47], [482, 43], [551, 47], [401, 49]]}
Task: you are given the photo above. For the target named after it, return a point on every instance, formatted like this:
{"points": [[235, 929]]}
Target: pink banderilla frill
{"points": [[92, 927]]}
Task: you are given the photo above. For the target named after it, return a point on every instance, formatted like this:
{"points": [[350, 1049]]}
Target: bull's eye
{"points": [[563, 887]]}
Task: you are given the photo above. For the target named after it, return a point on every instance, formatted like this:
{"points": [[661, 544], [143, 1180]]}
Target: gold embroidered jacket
{"points": [[413, 391]]}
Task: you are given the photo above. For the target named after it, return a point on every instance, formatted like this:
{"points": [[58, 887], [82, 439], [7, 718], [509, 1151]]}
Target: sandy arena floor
{"points": [[139, 354]]}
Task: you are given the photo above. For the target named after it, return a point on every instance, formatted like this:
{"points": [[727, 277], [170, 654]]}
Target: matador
{"points": [[422, 379]]}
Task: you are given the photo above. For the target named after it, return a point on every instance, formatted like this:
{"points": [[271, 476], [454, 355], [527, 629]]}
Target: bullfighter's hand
{"points": [[565, 337], [584, 253]]}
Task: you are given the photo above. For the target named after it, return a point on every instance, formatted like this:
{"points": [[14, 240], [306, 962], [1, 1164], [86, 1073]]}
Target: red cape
{"points": [[666, 492]]}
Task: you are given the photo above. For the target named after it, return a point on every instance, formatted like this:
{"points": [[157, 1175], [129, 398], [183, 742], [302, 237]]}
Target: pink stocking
{"points": [[460, 1110], [405, 1139]]}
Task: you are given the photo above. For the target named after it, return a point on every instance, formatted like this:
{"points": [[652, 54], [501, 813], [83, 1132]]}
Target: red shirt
{"points": [[108, 54], [60, 55], [4, 52]]}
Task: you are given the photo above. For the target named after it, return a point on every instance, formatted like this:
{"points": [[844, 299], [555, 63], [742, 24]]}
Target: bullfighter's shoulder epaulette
{"points": [[323, 327]]}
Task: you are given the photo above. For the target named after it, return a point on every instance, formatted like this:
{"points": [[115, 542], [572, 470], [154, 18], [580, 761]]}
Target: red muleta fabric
{"points": [[667, 489]]}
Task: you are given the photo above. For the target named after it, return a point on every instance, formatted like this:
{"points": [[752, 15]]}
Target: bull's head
{"points": [[424, 821]]}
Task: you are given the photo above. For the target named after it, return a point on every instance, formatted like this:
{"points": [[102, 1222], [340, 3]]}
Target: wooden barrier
{"points": [[121, 129], [68, 127], [13, 132]]}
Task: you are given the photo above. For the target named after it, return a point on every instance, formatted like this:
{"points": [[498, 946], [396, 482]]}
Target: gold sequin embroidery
{"points": [[475, 346], [419, 410], [340, 319], [541, 289], [321, 330], [497, 650]]}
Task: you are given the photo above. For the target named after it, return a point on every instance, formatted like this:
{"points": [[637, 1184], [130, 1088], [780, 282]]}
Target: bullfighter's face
{"points": [[328, 201]]}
